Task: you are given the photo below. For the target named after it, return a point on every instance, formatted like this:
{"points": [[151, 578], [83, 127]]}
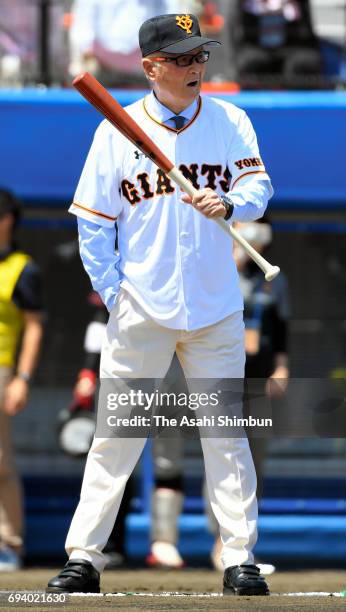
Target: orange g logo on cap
{"points": [[185, 23]]}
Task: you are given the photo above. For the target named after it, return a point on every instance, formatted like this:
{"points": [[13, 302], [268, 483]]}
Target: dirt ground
{"points": [[187, 582]]}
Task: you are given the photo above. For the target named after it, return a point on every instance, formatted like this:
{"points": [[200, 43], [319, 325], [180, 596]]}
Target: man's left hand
{"points": [[16, 395], [207, 202]]}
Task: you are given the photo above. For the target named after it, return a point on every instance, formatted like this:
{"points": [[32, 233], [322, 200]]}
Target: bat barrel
{"points": [[101, 99]]}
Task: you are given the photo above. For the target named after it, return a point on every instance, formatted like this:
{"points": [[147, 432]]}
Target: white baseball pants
{"points": [[136, 346]]}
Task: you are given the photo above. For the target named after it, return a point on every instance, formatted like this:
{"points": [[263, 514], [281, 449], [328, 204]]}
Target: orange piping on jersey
{"points": [[167, 127], [247, 173], [94, 212]]}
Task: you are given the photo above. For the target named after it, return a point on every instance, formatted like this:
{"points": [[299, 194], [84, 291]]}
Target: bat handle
{"points": [[270, 272]]}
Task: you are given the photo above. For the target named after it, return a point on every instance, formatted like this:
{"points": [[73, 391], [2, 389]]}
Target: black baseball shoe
{"points": [[244, 580], [78, 576]]}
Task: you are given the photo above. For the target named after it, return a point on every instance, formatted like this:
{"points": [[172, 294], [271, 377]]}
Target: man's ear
{"points": [[149, 68]]}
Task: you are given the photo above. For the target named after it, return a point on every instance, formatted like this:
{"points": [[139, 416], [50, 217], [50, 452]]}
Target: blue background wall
{"points": [[45, 135]]}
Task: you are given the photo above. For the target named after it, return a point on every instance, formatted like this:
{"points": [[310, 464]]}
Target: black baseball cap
{"points": [[172, 34]]}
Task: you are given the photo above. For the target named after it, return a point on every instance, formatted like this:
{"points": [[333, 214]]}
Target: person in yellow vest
{"points": [[20, 339]]}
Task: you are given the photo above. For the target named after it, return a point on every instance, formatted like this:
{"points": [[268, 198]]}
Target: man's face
{"points": [[175, 86]]}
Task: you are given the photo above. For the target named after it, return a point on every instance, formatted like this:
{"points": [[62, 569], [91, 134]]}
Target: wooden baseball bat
{"points": [[101, 99]]}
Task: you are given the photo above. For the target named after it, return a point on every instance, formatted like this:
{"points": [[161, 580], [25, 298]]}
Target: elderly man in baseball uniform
{"points": [[172, 285]]}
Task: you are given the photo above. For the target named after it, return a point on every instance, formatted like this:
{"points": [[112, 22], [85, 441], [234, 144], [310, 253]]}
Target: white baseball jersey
{"points": [[175, 262]]}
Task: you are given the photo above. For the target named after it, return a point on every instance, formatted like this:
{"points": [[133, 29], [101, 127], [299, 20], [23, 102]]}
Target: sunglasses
{"points": [[186, 59]]}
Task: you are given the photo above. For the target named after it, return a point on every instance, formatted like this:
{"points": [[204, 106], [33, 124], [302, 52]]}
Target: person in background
{"points": [[20, 42], [274, 44], [168, 493], [214, 19], [20, 339], [104, 37], [266, 316]]}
